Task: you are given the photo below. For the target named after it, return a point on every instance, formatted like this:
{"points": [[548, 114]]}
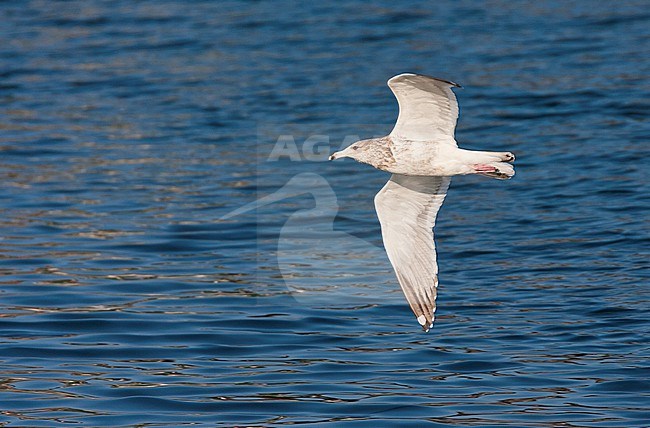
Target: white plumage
{"points": [[407, 207], [428, 109], [422, 154]]}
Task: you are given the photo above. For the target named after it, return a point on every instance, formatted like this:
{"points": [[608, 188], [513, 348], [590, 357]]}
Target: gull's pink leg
{"points": [[481, 168]]}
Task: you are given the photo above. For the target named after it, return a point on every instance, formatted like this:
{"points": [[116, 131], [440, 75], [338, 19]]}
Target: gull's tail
{"points": [[496, 165]]}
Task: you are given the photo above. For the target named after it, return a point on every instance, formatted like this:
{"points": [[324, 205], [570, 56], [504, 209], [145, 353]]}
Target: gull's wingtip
{"points": [[422, 320], [402, 76]]}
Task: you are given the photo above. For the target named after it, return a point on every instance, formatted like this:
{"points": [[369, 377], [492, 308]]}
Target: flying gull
{"points": [[422, 155]]}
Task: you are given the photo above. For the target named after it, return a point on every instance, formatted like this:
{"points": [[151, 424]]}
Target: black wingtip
{"points": [[449, 82], [454, 84], [423, 323]]}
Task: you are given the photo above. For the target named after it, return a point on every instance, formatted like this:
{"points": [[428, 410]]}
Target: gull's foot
{"points": [[491, 171], [481, 168]]}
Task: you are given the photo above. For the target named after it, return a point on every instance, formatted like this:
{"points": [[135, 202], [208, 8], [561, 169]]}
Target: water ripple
{"points": [[129, 129]]}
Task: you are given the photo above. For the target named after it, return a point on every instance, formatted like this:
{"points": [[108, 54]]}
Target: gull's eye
{"points": [[355, 148]]}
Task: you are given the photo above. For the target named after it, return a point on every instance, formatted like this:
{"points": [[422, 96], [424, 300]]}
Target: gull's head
{"points": [[355, 151]]}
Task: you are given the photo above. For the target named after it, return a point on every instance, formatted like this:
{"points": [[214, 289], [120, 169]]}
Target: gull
{"points": [[422, 155]]}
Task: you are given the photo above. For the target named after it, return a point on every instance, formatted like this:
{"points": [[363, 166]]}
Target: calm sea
{"points": [[128, 130]]}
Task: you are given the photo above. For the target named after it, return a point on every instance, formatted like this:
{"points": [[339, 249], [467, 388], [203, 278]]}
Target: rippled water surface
{"points": [[129, 129]]}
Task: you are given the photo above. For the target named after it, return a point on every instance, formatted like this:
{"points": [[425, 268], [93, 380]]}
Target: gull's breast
{"points": [[424, 158]]}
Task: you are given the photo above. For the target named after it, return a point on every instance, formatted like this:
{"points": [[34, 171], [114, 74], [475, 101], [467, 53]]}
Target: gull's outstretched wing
{"points": [[428, 109], [407, 207]]}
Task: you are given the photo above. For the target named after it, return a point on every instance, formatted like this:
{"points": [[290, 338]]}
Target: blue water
{"points": [[129, 129]]}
